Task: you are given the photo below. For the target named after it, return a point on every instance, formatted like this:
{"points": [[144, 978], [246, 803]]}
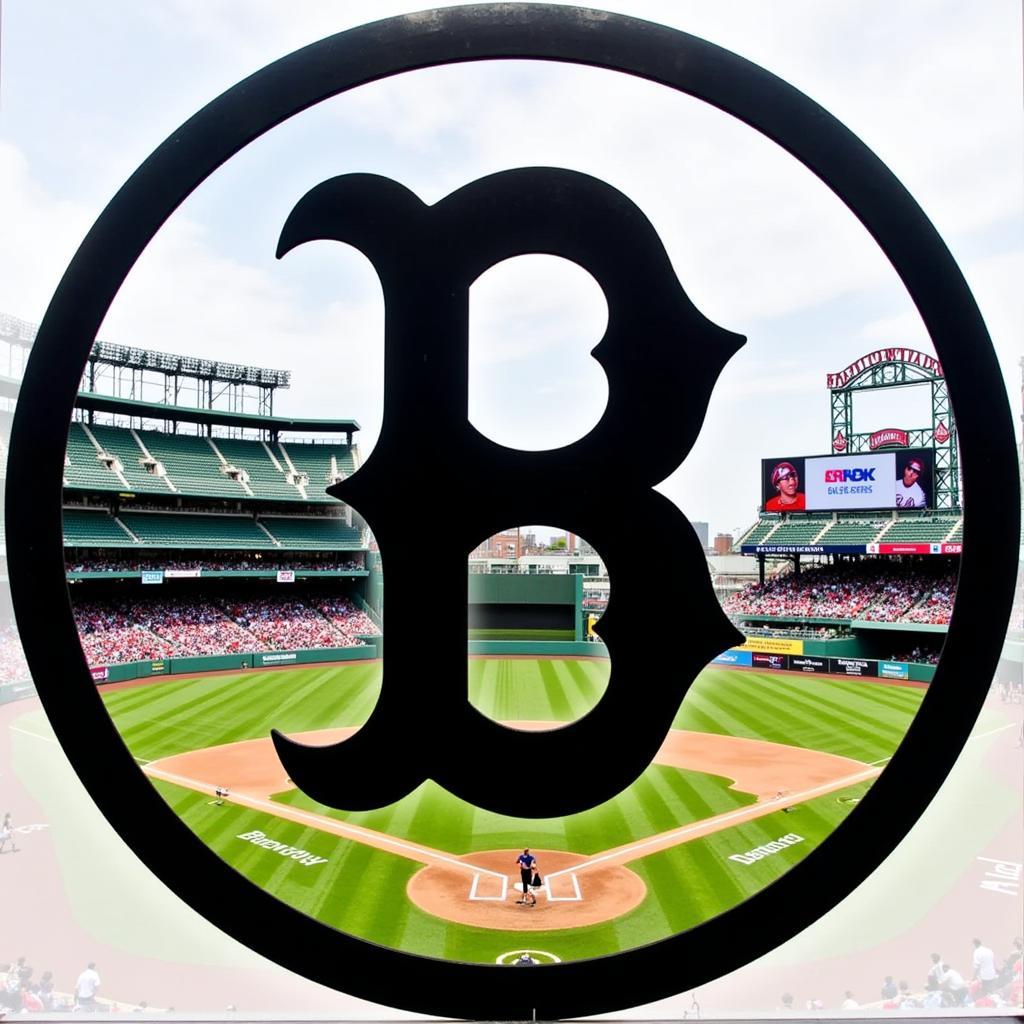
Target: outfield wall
{"points": [[855, 668], [230, 662], [784, 659], [533, 649]]}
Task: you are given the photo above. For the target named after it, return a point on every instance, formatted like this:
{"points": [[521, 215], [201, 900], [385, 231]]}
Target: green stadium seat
{"points": [[196, 530], [266, 480], [798, 531], [317, 532], [94, 528], [83, 468], [919, 530], [192, 465], [322, 463]]}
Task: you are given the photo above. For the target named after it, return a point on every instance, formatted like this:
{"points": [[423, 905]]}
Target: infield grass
{"points": [[686, 884]]}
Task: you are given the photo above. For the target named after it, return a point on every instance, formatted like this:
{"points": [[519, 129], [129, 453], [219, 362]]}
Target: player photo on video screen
{"points": [[914, 478], [782, 485]]}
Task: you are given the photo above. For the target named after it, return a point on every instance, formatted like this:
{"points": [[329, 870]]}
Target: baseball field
{"points": [[758, 770]]}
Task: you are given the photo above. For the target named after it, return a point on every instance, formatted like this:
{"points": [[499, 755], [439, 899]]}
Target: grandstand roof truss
{"points": [[139, 374]]}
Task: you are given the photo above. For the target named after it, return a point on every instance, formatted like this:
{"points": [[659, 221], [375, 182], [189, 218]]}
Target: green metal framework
{"points": [[941, 436]]}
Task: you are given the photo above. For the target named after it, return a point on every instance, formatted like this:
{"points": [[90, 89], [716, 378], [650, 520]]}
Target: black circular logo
{"points": [[39, 437]]}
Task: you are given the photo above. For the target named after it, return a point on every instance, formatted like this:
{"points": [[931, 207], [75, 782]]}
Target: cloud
{"points": [[41, 234], [758, 243]]}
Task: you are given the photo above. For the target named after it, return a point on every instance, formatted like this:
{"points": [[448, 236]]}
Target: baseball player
{"points": [[527, 866], [909, 493], [786, 482]]}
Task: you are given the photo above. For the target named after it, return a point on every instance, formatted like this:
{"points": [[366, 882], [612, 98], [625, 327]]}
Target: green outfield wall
{"points": [[498, 588], [233, 662], [533, 649]]}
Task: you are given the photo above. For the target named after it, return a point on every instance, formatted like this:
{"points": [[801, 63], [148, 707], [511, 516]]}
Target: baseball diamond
{"points": [[753, 759]]}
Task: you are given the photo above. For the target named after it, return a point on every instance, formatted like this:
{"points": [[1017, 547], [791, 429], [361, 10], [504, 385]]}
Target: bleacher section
{"points": [[853, 531], [195, 466], [195, 530], [320, 532], [97, 528], [120, 443], [759, 531], [82, 467], [321, 462], [265, 479], [797, 531], [919, 530], [93, 529], [192, 465]]}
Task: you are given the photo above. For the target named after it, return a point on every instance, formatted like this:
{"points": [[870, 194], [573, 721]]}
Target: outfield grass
{"points": [[686, 884]]}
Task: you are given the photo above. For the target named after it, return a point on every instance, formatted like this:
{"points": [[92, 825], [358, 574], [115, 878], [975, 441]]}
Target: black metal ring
{"points": [[455, 35]]}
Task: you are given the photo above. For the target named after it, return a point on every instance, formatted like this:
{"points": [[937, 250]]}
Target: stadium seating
{"points": [[321, 532], [195, 466], [120, 443], [853, 531], [93, 529], [196, 530], [266, 480], [919, 530], [879, 590], [192, 465], [323, 463], [83, 468], [798, 531], [758, 532]]}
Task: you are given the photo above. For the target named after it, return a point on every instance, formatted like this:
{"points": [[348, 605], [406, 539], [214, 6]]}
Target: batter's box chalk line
{"points": [[571, 887], [495, 887]]}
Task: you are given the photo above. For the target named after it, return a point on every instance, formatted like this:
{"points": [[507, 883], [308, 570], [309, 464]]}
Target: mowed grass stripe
{"points": [[796, 719], [788, 709], [209, 711], [591, 679], [559, 706], [361, 890], [851, 706]]}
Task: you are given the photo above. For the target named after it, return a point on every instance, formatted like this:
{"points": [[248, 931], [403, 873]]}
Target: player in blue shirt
{"points": [[527, 866]]}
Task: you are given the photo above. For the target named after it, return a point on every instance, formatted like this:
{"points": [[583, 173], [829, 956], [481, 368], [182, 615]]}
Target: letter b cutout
{"points": [[432, 469]]}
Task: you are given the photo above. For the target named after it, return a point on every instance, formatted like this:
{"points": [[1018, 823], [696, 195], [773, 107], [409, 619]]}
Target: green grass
{"points": [[686, 884]]}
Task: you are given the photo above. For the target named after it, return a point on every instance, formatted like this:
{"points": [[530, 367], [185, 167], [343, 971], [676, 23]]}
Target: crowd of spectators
{"points": [[874, 589], [113, 631], [23, 992], [990, 982], [13, 668], [224, 561], [918, 655], [821, 633]]}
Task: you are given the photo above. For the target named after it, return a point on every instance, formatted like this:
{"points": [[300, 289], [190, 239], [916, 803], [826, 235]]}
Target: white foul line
{"points": [[318, 821], [630, 851]]}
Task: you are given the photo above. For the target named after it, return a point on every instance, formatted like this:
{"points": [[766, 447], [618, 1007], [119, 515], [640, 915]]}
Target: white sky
{"points": [[759, 245]]}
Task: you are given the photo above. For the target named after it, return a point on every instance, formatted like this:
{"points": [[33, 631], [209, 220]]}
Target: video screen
{"points": [[903, 479]]}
